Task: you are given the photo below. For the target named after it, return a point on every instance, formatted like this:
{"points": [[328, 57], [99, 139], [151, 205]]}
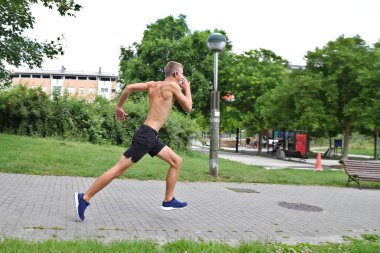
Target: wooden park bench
{"points": [[361, 170]]}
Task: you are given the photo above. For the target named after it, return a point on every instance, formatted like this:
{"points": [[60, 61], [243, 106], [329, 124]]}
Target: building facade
{"points": [[85, 85]]}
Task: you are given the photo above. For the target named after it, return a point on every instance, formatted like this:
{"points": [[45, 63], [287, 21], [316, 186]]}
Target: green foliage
{"points": [[339, 90], [350, 69], [31, 112], [167, 28], [304, 101], [17, 49], [178, 130], [250, 76], [369, 118], [371, 237], [342, 63]]}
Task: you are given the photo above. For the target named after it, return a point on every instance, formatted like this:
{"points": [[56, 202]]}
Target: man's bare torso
{"points": [[161, 99]]}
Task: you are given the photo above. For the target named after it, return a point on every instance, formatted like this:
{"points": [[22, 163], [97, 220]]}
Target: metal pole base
{"points": [[214, 132], [214, 163]]}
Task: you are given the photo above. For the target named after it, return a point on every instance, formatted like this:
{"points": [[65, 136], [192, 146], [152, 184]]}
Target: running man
{"points": [[161, 98]]}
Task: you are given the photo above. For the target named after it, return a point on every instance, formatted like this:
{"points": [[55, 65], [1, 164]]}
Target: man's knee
{"points": [[118, 171], [177, 162], [121, 167]]}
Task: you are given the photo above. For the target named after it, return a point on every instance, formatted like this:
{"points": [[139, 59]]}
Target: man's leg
{"points": [[106, 178], [82, 200], [175, 162]]}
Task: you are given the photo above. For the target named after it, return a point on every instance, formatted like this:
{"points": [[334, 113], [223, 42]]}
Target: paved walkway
{"points": [[246, 156], [41, 207]]}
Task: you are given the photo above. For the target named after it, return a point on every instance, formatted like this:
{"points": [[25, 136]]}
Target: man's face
{"points": [[180, 76], [180, 73]]}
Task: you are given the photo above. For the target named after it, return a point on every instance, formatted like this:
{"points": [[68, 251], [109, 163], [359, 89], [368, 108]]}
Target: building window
{"points": [[71, 90], [36, 76], [104, 90], [105, 79], [46, 76], [92, 78], [25, 76], [82, 77], [57, 77], [113, 79], [91, 90], [113, 90], [81, 91], [71, 77]]}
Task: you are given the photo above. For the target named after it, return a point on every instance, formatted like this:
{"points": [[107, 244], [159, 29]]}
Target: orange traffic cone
{"points": [[318, 164]]}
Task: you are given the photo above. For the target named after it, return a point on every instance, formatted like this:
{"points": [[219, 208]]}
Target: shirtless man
{"points": [[161, 98]]}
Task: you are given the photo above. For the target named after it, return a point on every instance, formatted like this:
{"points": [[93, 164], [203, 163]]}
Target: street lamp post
{"points": [[216, 43]]}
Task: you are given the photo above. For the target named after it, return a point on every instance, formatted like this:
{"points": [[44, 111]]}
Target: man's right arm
{"points": [[129, 89]]}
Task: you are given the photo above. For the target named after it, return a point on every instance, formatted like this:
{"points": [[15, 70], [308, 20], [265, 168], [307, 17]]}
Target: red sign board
{"points": [[301, 142]]}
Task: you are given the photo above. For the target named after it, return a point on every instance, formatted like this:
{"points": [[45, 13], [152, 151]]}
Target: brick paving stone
{"points": [[42, 207]]}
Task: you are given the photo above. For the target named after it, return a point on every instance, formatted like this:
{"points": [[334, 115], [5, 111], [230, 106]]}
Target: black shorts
{"points": [[144, 141]]}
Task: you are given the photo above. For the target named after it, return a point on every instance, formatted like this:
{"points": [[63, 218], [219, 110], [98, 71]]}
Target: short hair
{"points": [[172, 67]]}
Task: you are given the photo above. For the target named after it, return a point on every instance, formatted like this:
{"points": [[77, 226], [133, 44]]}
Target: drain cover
{"points": [[300, 207], [242, 190]]}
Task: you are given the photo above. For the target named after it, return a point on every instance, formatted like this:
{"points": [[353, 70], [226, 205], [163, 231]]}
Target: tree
{"points": [[170, 39], [17, 49], [370, 116], [250, 75], [342, 63], [304, 102], [162, 42]]}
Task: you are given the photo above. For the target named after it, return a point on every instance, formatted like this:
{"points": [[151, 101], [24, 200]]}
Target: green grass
{"points": [[359, 144], [362, 151], [48, 156], [43, 228], [354, 150], [369, 244]]}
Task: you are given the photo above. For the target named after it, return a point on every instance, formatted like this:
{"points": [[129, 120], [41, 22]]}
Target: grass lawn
{"points": [[355, 149], [48, 156], [360, 151], [369, 243], [369, 151]]}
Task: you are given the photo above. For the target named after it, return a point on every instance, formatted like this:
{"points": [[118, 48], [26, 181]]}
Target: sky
{"points": [[289, 28]]}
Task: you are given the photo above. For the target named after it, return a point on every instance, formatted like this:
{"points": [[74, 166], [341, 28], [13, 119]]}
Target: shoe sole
{"points": [[171, 208], [76, 207]]}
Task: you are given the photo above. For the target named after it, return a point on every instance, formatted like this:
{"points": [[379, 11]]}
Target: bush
{"points": [[31, 112]]}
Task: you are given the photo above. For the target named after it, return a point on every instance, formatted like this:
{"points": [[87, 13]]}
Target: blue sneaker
{"points": [[173, 204], [80, 206]]}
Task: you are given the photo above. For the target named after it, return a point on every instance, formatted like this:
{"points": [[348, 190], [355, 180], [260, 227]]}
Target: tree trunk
{"points": [[346, 139], [260, 143], [376, 153], [286, 141]]}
